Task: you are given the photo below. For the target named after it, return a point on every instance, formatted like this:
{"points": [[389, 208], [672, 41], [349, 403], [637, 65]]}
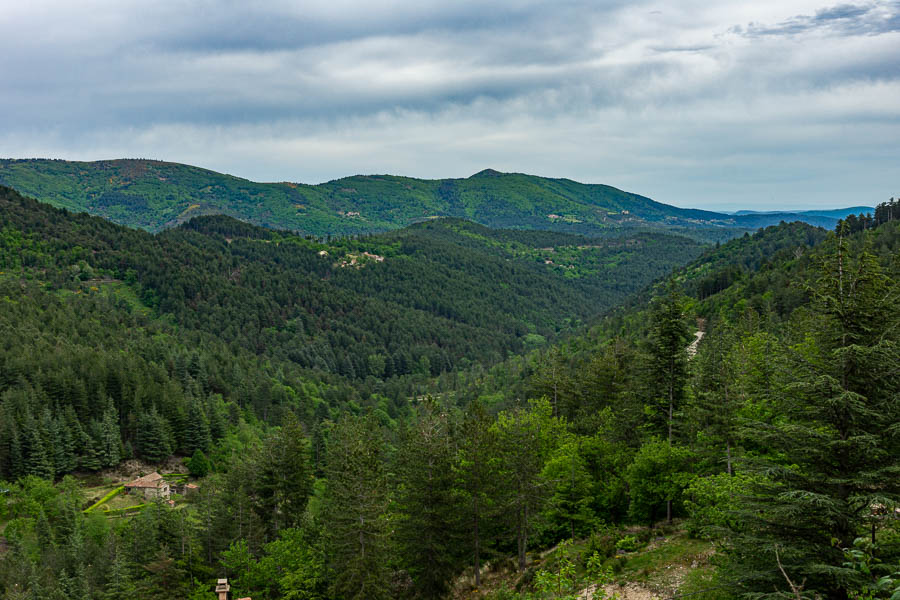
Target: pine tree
{"points": [[198, 465], [284, 475], [356, 501], [197, 430], [153, 438], [428, 529], [569, 509], [110, 438], [38, 461], [714, 405], [669, 336], [476, 475], [119, 583], [835, 455]]}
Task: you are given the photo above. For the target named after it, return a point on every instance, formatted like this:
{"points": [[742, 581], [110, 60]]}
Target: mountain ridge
{"points": [[156, 195]]}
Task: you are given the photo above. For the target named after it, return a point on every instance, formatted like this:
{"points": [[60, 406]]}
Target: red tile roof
{"points": [[153, 480]]}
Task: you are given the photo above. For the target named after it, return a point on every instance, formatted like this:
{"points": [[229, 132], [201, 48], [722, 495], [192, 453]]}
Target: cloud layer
{"points": [[735, 105]]}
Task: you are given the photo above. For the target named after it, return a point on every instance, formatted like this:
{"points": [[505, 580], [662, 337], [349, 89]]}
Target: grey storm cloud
{"points": [[843, 19], [731, 104]]}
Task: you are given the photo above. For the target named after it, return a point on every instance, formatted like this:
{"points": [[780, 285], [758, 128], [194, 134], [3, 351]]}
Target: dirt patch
{"points": [[629, 591], [131, 469]]}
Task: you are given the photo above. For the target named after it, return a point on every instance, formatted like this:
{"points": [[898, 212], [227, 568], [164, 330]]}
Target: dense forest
{"points": [[154, 195], [408, 414]]}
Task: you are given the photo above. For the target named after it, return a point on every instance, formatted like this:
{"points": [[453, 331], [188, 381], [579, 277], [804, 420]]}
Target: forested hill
{"points": [[197, 309], [337, 456], [154, 195]]}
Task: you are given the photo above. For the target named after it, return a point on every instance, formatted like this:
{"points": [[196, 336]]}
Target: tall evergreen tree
{"points": [[197, 435], [355, 510], [835, 453], [284, 475], [669, 335], [476, 468], [428, 531], [110, 437], [713, 410], [154, 440]]}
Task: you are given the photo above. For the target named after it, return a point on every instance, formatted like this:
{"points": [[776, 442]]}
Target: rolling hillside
{"points": [[426, 297], [154, 195]]}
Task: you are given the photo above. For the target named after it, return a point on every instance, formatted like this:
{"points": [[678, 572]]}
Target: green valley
{"points": [[445, 410]]}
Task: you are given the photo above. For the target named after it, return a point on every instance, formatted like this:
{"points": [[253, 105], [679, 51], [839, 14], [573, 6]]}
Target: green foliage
{"points": [[140, 345], [355, 511], [570, 506], [877, 580], [668, 339], [428, 529], [629, 543], [283, 476], [340, 406], [659, 473], [712, 502], [198, 465], [526, 438], [832, 454]]}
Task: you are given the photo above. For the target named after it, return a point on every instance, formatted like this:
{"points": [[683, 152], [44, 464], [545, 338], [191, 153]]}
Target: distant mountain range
{"points": [[155, 195], [836, 213]]}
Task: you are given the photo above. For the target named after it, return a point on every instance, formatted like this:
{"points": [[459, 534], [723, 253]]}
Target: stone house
{"points": [[153, 486]]}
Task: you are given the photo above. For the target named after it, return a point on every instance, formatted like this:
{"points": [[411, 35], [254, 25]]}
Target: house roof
{"points": [[153, 480]]}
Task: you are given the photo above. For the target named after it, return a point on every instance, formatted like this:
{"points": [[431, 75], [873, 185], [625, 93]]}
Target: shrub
{"points": [[629, 543]]}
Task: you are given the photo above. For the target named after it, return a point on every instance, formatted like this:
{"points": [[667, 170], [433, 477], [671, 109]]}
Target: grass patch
{"points": [[678, 549], [112, 494], [124, 510], [704, 583], [126, 293]]}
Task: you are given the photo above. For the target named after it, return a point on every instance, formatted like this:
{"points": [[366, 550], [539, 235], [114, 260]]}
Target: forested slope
{"points": [[110, 328], [777, 440]]}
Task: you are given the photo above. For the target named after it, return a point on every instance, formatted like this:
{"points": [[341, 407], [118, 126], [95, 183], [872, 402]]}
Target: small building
{"points": [[189, 488], [153, 486]]}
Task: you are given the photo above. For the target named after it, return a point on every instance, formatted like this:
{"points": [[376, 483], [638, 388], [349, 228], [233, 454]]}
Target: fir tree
{"points": [[835, 455], [284, 475], [428, 530], [356, 501], [197, 431], [476, 475]]}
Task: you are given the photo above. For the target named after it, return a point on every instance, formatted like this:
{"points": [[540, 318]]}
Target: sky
{"points": [[718, 105]]}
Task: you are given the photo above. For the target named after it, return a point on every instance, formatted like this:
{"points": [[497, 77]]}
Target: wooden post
{"points": [[223, 589]]}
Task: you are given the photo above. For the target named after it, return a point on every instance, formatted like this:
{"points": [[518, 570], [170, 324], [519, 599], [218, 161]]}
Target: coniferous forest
{"points": [[447, 410]]}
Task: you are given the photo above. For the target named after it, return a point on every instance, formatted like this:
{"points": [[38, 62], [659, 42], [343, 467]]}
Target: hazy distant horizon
{"points": [[724, 106]]}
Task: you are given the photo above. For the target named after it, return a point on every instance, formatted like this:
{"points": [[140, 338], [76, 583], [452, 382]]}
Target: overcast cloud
{"points": [[764, 104]]}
